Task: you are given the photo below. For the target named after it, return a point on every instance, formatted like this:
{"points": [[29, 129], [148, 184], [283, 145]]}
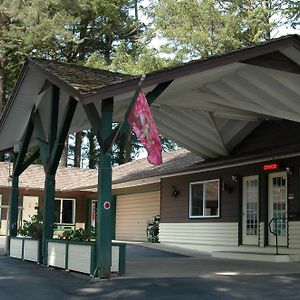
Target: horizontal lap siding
{"points": [[199, 233], [294, 234], [132, 214], [176, 209]]}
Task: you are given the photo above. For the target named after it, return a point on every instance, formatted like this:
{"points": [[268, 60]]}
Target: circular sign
{"points": [[106, 205]]}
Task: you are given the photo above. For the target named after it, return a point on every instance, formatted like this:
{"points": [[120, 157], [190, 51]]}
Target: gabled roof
{"points": [[68, 179], [209, 108], [83, 79]]}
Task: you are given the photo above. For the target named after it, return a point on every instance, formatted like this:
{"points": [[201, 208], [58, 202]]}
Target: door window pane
{"points": [[252, 207], [279, 205]]}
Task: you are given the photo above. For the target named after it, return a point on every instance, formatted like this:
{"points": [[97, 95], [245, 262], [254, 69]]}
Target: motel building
{"points": [[234, 192]]}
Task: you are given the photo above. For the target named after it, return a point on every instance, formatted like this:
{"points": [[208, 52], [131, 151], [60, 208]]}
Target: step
{"points": [[256, 256]]}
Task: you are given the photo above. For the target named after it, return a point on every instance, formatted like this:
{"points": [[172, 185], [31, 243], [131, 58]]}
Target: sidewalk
{"points": [[196, 263]]}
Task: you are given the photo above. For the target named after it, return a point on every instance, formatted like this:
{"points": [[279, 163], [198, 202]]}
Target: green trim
{"points": [[13, 213], [96, 122], [103, 225], [88, 207], [29, 161], [67, 256], [41, 138], [60, 141], [113, 216], [54, 105], [24, 147], [93, 259], [49, 211], [122, 257]]}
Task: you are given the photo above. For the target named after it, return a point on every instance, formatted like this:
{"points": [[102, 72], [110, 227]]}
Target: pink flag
{"points": [[142, 123]]}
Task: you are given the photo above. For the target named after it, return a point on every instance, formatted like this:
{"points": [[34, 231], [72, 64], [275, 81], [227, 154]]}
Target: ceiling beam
{"points": [[274, 87]]}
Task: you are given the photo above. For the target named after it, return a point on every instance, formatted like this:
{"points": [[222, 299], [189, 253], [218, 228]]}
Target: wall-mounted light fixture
{"points": [[289, 170], [234, 178], [226, 187], [174, 192]]}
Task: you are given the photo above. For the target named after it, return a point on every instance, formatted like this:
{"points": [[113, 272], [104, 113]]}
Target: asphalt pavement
{"points": [[163, 273]]}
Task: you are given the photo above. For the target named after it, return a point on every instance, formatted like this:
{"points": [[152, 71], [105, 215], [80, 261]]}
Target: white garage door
{"points": [[132, 214]]}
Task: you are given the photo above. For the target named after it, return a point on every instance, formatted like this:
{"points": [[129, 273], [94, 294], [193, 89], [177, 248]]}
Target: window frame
{"points": [[204, 200], [60, 212]]}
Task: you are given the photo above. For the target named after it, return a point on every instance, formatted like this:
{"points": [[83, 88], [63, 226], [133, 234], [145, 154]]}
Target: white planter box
{"points": [[57, 254], [76, 256], [80, 258], [31, 250], [16, 248], [115, 253]]}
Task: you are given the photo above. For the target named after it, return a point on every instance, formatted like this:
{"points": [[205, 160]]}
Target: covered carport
{"points": [[208, 106]]}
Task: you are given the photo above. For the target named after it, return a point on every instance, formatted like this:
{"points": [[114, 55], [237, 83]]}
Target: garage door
{"points": [[132, 214]]}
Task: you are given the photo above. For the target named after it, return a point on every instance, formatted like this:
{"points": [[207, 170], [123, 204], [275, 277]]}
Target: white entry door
{"points": [[250, 210], [278, 207], [30, 204]]}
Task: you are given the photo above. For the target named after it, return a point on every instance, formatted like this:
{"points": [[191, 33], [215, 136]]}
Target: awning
{"points": [[209, 108]]}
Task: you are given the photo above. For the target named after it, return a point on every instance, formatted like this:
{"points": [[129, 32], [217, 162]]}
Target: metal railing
{"points": [[275, 220]]}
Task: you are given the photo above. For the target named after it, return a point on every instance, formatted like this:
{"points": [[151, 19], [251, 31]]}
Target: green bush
{"points": [[32, 228]]}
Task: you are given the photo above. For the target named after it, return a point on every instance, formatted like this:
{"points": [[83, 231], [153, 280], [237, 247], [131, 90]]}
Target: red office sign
{"points": [[270, 167]]}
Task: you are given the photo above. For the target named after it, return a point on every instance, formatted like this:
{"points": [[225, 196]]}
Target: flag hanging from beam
{"points": [[142, 123]]}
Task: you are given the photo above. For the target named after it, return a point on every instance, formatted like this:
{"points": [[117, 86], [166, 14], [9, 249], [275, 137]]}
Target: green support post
{"points": [[48, 213], [13, 214], [104, 208]]}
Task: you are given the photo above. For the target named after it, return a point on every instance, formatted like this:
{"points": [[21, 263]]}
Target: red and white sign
{"points": [[106, 205]]}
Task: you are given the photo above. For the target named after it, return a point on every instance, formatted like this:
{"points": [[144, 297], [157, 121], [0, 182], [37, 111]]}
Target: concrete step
{"points": [[267, 257]]}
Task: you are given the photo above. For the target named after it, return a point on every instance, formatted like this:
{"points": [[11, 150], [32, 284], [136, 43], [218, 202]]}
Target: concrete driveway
{"points": [[155, 274]]}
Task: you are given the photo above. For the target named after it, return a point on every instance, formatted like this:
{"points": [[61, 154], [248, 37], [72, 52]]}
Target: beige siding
{"points": [[133, 212], [200, 233], [294, 234]]}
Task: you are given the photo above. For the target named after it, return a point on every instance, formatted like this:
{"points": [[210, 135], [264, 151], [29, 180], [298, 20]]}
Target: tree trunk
{"points": [[1, 83], [93, 158], [64, 157], [77, 150]]}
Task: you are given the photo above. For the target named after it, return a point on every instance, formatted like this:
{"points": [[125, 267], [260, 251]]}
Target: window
{"points": [[204, 199], [65, 211], [93, 212], [0, 210]]}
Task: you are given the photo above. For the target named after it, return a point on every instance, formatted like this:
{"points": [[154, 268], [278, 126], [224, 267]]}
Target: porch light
{"points": [[234, 178], [174, 192], [17, 147], [289, 170]]}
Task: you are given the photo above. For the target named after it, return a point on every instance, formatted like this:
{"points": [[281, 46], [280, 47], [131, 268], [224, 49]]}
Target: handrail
{"points": [[275, 233]]}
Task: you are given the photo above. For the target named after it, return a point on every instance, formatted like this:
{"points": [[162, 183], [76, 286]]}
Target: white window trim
{"points": [[61, 207], [0, 210], [92, 202], [190, 200]]}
